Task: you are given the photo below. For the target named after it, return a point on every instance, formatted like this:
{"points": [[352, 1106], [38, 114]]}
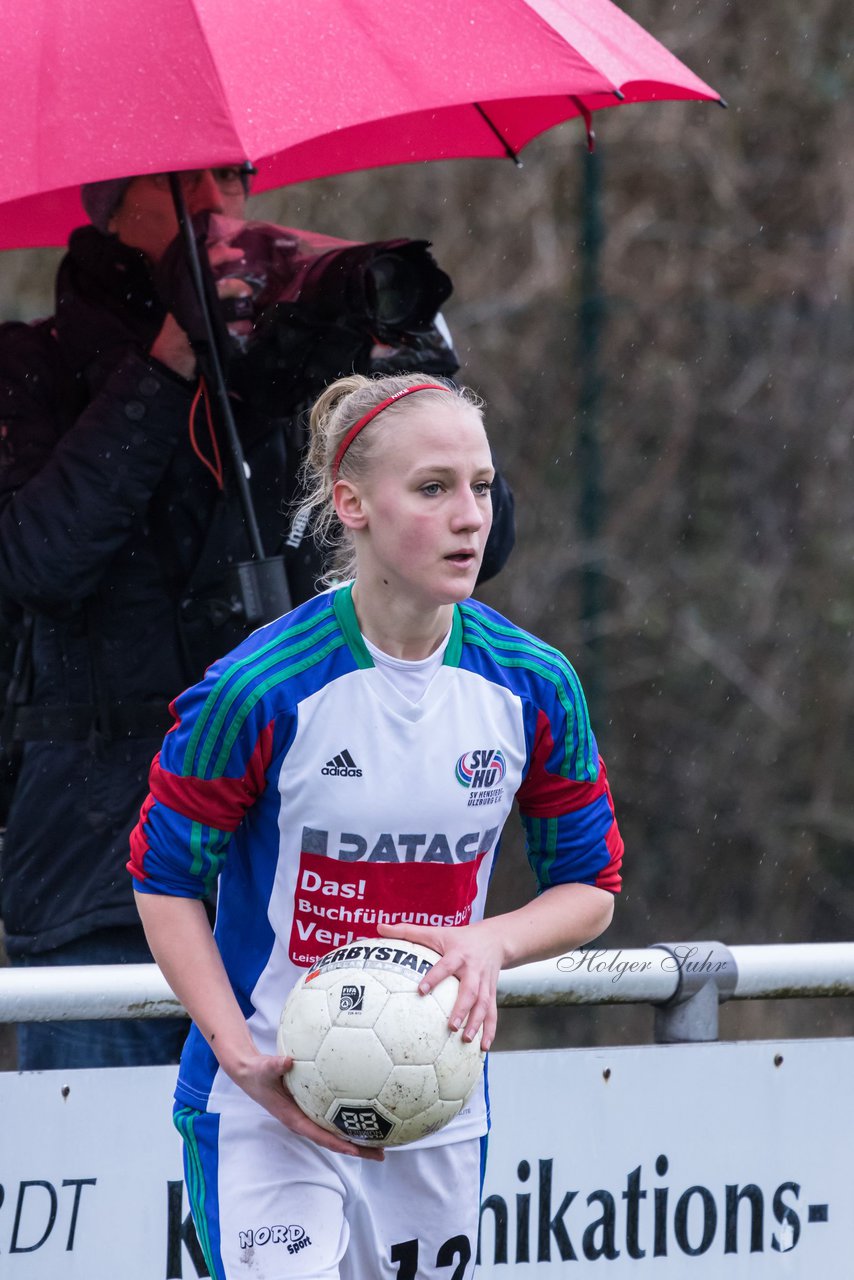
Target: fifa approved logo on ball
{"points": [[352, 999]]}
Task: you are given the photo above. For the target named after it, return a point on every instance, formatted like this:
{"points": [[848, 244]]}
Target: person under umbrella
{"points": [[120, 531]]}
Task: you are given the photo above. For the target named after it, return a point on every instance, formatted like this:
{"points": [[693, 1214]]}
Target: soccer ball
{"points": [[373, 1059]]}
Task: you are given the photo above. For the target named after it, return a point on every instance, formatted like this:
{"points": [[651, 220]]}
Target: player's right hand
{"points": [[264, 1080]]}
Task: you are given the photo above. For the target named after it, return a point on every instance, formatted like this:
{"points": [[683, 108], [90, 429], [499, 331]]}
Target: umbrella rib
{"points": [[213, 64], [508, 150], [584, 112]]}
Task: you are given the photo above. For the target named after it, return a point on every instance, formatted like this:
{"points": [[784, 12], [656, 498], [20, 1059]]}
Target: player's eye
{"points": [[432, 490]]}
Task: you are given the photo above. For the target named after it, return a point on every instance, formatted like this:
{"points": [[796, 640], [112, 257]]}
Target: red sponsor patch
{"points": [[338, 902]]}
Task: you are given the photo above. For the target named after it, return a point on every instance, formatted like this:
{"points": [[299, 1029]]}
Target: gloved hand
{"points": [[176, 288]]}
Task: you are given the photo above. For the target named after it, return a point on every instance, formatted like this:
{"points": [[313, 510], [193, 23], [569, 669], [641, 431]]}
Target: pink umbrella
{"points": [[98, 90]]}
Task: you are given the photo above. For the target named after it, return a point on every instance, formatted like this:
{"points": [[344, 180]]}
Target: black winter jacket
{"points": [[115, 537]]}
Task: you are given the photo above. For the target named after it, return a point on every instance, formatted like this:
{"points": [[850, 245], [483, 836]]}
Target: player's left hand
{"points": [[474, 954]]}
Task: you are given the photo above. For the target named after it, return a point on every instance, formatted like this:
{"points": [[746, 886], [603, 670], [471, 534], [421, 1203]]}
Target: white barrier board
{"points": [[711, 1161]]}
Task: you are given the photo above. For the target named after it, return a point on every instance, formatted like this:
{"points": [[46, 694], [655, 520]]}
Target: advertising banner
{"points": [[684, 1162], [710, 1161]]}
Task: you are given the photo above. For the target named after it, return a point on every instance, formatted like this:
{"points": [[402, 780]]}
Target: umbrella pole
{"points": [[222, 404], [260, 585]]}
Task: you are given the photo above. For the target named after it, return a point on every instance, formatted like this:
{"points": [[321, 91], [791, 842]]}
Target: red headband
{"points": [[372, 413]]}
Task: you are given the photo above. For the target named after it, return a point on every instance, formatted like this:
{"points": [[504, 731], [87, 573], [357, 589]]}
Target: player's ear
{"points": [[348, 504]]}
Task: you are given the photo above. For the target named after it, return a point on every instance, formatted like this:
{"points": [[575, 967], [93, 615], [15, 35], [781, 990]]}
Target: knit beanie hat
{"points": [[102, 199]]}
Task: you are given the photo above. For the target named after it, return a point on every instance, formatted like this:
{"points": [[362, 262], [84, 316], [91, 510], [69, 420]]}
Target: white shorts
{"points": [[270, 1205]]}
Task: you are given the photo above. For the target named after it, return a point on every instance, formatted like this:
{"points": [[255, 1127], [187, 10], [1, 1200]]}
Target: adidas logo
{"points": [[342, 766]]}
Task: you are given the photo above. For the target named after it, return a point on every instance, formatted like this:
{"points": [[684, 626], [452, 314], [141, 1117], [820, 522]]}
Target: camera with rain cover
{"points": [[305, 308]]}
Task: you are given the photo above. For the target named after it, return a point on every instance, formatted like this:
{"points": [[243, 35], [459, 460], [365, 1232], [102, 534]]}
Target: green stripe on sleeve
{"points": [[279, 649], [510, 649]]}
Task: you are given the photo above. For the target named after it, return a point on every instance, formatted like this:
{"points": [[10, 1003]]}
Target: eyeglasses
{"points": [[232, 180]]}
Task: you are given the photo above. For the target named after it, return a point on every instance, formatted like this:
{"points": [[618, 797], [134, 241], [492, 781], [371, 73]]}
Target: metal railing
{"points": [[685, 981]]}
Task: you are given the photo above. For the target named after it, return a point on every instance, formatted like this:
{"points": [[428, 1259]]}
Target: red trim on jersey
{"points": [[138, 844], [216, 802], [609, 877], [176, 719], [549, 795]]}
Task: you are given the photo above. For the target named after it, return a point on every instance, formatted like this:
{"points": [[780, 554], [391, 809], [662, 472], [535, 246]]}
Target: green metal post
{"points": [[589, 452]]}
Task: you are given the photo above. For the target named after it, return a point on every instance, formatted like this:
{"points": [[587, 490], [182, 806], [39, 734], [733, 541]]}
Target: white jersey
{"points": [[327, 802]]}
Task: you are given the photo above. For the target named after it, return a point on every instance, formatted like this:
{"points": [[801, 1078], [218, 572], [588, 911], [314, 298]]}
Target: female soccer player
{"points": [[346, 772]]}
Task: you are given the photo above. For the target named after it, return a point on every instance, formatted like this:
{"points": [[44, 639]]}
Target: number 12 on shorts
{"points": [[456, 1250]]}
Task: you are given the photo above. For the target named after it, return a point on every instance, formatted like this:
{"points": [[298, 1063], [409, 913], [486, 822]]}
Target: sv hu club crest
{"points": [[478, 770]]}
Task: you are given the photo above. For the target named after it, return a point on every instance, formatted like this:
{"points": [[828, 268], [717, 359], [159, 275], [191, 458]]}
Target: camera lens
{"points": [[391, 289]]}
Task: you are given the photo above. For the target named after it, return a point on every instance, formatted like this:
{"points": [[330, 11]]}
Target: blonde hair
{"points": [[335, 412]]}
